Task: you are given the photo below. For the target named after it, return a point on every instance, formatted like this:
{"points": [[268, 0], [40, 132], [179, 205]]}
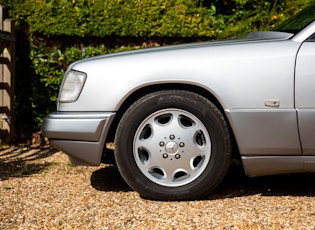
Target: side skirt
{"points": [[271, 165]]}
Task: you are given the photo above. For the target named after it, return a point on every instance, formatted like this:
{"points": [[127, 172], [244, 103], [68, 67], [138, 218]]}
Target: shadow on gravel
{"points": [[17, 161], [235, 184], [108, 179]]}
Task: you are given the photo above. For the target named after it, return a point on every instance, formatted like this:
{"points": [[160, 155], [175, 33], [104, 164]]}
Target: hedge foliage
{"points": [[144, 18], [115, 17], [52, 33]]}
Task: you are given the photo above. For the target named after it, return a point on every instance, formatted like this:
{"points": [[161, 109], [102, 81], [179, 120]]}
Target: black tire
{"points": [[173, 145]]}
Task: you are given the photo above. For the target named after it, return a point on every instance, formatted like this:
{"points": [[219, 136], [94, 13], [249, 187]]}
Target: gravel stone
{"points": [[40, 189]]}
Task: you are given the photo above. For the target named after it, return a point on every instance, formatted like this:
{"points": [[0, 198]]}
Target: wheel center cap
{"points": [[171, 147]]}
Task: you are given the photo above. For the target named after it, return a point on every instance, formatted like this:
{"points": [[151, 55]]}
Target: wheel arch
{"points": [[169, 86]]}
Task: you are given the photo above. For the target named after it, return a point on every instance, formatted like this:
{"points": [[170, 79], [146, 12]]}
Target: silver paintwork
{"points": [[186, 148], [81, 135], [265, 131], [264, 84], [270, 165], [212, 66], [80, 127], [217, 69]]}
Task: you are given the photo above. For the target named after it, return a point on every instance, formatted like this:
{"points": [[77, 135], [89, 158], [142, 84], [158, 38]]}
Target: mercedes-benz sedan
{"points": [[178, 115]]}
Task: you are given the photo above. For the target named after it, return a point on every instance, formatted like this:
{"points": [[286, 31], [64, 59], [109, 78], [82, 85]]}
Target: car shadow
{"points": [[16, 161], [235, 184], [108, 179]]}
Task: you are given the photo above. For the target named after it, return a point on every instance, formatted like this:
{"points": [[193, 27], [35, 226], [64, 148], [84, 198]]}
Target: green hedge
{"points": [[100, 18], [51, 34], [144, 18]]}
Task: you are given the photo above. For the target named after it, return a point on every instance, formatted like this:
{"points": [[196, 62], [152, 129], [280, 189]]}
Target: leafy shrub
{"points": [[116, 17], [49, 66]]}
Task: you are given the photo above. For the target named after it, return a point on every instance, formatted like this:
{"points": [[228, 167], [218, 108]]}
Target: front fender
{"points": [[241, 76]]}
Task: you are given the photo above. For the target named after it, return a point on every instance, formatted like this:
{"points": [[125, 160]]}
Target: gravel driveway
{"points": [[40, 189]]}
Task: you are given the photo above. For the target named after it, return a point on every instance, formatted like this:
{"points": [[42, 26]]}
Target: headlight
{"points": [[71, 87]]}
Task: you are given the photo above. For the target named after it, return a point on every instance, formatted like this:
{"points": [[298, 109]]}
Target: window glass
{"points": [[298, 22]]}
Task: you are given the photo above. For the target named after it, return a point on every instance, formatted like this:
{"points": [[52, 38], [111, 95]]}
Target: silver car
{"points": [[178, 115]]}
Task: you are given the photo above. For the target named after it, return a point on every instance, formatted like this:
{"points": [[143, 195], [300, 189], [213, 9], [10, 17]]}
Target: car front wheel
{"points": [[173, 145]]}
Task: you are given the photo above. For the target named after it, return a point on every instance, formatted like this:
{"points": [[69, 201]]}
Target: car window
{"points": [[298, 22], [311, 38]]}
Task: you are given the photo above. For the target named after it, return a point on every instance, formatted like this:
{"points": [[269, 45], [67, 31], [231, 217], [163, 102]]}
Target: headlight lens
{"points": [[72, 86]]}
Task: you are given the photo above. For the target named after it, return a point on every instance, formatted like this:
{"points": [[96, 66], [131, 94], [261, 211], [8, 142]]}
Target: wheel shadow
{"points": [[235, 184], [108, 179]]}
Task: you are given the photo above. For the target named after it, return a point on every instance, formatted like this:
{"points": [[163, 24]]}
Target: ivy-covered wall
{"points": [[52, 33]]}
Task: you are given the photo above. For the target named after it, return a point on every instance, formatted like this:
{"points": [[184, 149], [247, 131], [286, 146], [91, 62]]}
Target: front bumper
{"points": [[81, 135]]}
